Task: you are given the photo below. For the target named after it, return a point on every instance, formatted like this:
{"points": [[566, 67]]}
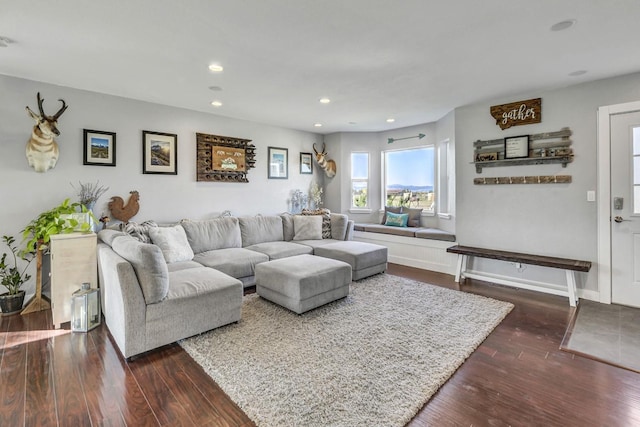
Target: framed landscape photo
{"points": [[159, 153], [99, 148], [278, 163], [516, 147], [306, 163]]}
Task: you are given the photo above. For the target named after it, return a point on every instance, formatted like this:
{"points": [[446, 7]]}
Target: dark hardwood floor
{"points": [[518, 376]]}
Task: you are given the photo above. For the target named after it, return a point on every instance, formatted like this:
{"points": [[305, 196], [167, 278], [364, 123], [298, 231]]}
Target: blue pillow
{"points": [[397, 220]]}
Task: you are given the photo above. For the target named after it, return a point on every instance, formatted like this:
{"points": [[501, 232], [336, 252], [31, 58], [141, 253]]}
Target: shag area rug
{"points": [[371, 359]]}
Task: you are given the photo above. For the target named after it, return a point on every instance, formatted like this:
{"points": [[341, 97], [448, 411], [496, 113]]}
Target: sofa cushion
{"points": [[317, 243], [287, 226], [149, 264], [339, 226], [260, 229], [277, 250], [393, 209], [307, 227], [236, 262], [173, 243], [211, 234], [183, 265], [396, 220], [326, 220]]}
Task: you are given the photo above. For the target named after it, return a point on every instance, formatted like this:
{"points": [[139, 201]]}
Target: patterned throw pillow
{"points": [[326, 220], [392, 209], [397, 220], [139, 232]]}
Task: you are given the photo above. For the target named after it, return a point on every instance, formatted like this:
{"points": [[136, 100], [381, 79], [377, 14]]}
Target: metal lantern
{"points": [[85, 309]]}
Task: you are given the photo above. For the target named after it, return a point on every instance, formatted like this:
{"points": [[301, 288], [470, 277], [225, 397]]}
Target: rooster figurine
{"points": [[124, 212]]}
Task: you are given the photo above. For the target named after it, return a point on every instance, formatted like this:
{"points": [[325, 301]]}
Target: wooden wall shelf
{"points": [[564, 160]]}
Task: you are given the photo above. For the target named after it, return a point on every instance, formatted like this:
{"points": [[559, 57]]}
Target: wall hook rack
{"points": [[392, 140]]}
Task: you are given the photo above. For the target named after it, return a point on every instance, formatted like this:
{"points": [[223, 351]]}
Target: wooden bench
{"points": [[570, 266]]}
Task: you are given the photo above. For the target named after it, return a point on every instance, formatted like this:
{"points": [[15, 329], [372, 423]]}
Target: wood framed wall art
{"points": [[159, 153], [516, 147], [223, 158], [99, 148]]}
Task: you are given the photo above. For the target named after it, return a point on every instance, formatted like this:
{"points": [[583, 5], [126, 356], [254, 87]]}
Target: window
{"points": [[359, 180], [409, 178]]}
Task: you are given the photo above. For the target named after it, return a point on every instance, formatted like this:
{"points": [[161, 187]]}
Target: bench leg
{"points": [[571, 287], [461, 267]]}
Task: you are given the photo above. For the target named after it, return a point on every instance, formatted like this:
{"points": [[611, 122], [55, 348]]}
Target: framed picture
{"points": [[306, 163], [278, 163], [99, 148], [516, 147], [224, 158], [159, 153]]}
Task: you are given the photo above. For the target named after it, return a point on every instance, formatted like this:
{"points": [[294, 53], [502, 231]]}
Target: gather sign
{"points": [[517, 113]]}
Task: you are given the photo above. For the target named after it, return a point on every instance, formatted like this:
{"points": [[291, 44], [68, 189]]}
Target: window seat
{"points": [[419, 247], [417, 232]]}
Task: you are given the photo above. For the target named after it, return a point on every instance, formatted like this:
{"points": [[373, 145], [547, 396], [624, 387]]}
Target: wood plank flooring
{"points": [[518, 376]]}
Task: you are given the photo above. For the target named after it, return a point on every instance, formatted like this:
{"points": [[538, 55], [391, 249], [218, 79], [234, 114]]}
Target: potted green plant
{"points": [[12, 277], [37, 235]]}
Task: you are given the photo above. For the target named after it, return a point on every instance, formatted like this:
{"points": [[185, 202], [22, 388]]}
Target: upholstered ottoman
{"points": [[365, 259], [303, 282]]}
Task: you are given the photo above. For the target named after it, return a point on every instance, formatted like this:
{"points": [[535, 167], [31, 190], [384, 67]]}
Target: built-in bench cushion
{"points": [[386, 229], [435, 234], [236, 262], [277, 250], [213, 234], [149, 264], [260, 229]]}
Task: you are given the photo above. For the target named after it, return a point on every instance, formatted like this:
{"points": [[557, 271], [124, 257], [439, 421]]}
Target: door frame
{"points": [[603, 188]]}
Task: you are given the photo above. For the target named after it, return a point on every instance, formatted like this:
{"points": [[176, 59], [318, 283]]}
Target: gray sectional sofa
{"points": [[190, 278]]}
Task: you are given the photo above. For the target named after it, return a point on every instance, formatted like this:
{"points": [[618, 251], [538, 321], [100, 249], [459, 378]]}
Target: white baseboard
{"points": [[425, 254]]}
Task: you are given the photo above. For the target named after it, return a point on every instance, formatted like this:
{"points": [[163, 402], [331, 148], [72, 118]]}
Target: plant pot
{"points": [[11, 304]]}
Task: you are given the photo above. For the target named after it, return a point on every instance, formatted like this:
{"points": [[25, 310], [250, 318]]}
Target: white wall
{"points": [[164, 198], [553, 219]]}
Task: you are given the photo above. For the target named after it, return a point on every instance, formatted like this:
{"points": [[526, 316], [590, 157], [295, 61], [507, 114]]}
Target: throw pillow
{"points": [[139, 232], [307, 227], [287, 226], [173, 243], [149, 265], [397, 220], [392, 209], [326, 220], [414, 216], [212, 234]]}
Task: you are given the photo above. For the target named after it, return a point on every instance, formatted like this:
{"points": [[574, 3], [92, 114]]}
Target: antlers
{"points": [[56, 115]]}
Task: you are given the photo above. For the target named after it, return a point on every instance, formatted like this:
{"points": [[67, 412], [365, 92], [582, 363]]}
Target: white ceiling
{"points": [[414, 60]]}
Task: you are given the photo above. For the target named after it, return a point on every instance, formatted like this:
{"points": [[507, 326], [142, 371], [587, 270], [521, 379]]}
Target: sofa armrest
{"points": [[123, 303]]}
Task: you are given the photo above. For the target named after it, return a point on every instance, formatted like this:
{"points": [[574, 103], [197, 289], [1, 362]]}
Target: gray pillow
{"points": [[287, 226], [260, 229], [339, 223], [173, 243], [392, 209], [326, 220], [307, 227], [217, 233], [149, 265], [414, 216]]}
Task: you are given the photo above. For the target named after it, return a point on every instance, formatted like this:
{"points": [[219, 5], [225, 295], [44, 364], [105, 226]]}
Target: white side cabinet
{"points": [[73, 262]]}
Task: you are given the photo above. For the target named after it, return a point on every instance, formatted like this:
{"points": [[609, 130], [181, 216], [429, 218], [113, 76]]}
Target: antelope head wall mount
{"points": [[329, 166], [42, 150]]}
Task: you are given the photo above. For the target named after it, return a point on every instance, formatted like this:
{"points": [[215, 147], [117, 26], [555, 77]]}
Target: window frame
{"points": [[366, 208]]}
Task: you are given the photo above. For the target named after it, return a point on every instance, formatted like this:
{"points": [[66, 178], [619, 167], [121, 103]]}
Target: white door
{"points": [[625, 209]]}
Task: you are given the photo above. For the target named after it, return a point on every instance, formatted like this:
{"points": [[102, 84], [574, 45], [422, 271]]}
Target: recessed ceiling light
{"points": [[324, 100], [563, 25], [215, 88], [216, 103], [578, 73], [391, 120], [318, 125], [216, 68]]}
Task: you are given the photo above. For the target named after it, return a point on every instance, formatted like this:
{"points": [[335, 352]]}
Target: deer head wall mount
{"points": [[42, 151], [329, 166]]}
